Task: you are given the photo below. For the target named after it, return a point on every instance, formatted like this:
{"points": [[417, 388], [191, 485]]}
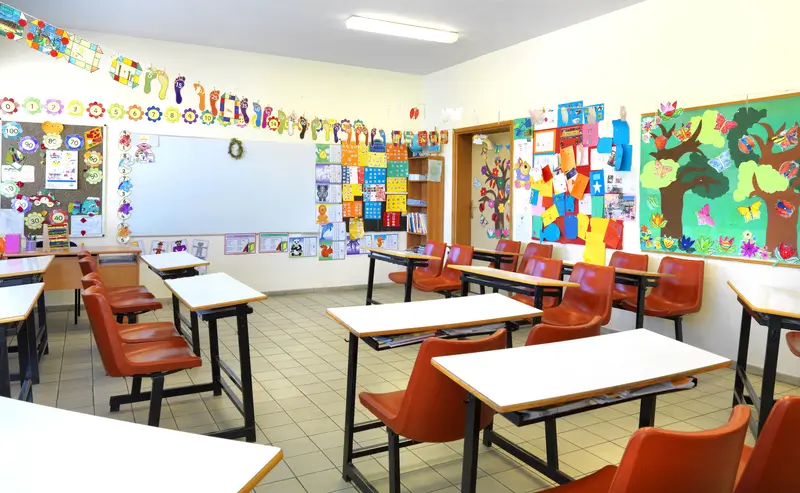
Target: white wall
{"points": [[379, 98], [698, 52]]}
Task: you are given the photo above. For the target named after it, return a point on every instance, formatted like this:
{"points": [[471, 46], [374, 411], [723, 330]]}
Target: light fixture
{"points": [[403, 30]]}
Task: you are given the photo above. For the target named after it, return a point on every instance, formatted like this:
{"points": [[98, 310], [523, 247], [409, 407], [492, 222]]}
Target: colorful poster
{"points": [[273, 243], [303, 246], [329, 173], [240, 244], [61, 170], [333, 231], [332, 250], [329, 193], [200, 248]]}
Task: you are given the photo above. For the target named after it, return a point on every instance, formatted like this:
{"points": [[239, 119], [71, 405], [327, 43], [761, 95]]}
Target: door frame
{"points": [[462, 177]]}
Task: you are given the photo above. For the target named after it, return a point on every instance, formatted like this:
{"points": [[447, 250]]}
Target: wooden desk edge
{"points": [[262, 473], [30, 309], [761, 310], [402, 254], [578, 396], [495, 252], [176, 267], [216, 305], [548, 283]]}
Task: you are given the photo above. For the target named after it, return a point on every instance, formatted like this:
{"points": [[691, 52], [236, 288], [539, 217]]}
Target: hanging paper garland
{"points": [[135, 113], [32, 105], [125, 209], [82, 53], [54, 106], [207, 118], [75, 108], [126, 71], [8, 106], [116, 111], [154, 114], [189, 116], [235, 149], [12, 22], [96, 110], [172, 114], [46, 38]]}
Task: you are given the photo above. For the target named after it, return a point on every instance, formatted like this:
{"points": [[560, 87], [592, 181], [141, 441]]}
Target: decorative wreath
{"points": [[236, 149]]}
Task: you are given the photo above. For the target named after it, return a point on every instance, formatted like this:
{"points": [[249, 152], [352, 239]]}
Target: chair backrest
{"points": [[434, 249], [105, 330], [534, 250], [459, 255], [544, 267], [93, 280], [512, 247], [662, 461], [686, 287], [87, 265], [633, 261], [546, 333], [593, 296], [772, 463], [433, 406]]}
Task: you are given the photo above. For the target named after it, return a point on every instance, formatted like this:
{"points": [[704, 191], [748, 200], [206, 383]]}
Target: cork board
{"points": [[83, 204]]}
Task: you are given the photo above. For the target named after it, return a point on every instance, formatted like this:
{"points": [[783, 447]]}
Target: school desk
{"points": [[366, 322], [16, 316], [48, 441], [776, 309], [177, 265], [494, 257], [511, 281], [213, 297], [398, 257], [563, 372], [630, 277], [65, 272]]}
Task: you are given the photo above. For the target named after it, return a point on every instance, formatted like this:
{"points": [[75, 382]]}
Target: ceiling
{"points": [[314, 29]]}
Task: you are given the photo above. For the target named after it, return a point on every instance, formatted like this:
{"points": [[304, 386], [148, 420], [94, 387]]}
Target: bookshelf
{"points": [[424, 197]]}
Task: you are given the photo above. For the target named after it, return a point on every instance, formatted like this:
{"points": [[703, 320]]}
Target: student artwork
{"points": [[739, 160], [14, 158], [228, 108], [125, 187], [126, 71], [12, 22], [46, 38], [157, 247], [144, 153], [123, 233], [93, 137], [83, 53], [495, 193]]}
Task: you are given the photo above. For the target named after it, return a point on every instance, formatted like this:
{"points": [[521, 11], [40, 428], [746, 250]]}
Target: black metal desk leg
{"points": [[472, 425], [213, 347], [741, 358], [464, 286], [770, 369], [44, 347], [350, 405], [77, 305], [551, 442], [370, 280], [640, 291], [247, 376], [647, 411], [28, 357], [409, 278], [538, 297], [195, 333], [176, 312], [5, 372]]}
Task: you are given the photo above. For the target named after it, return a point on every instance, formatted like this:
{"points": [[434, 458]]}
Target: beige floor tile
{"points": [[583, 461], [309, 463]]}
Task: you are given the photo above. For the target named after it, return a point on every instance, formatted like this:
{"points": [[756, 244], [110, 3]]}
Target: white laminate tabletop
{"points": [[401, 254], [24, 266], [515, 277], [572, 370], [16, 302], [768, 299], [173, 261], [212, 291], [489, 251], [431, 315], [48, 443]]}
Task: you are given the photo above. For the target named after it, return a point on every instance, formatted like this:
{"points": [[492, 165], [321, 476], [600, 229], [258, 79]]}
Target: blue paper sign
{"points": [[622, 132], [597, 183], [571, 227]]}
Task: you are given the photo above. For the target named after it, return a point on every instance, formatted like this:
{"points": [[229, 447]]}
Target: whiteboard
{"points": [[195, 188]]}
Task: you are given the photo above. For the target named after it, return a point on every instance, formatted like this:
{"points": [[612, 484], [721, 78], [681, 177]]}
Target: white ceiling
{"points": [[314, 29]]}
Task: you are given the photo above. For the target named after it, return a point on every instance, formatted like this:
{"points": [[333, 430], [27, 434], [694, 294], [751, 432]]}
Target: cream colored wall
{"points": [[697, 52], [317, 89]]}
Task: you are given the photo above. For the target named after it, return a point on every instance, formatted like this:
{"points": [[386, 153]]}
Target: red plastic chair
{"points": [[534, 250], [511, 247], [675, 296], [541, 267], [592, 298], [433, 269], [123, 304], [432, 408], [88, 266], [545, 334], [770, 465], [450, 279], [661, 461], [633, 261]]}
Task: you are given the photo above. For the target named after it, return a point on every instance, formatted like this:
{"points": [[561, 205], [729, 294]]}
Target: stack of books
{"points": [[418, 202], [417, 177], [418, 223], [402, 340]]}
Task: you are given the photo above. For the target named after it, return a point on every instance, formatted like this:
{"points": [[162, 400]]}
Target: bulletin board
{"points": [[35, 194], [722, 180]]}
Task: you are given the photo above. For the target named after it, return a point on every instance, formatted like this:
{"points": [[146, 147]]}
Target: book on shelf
{"points": [[418, 202], [418, 223], [417, 177], [402, 339]]}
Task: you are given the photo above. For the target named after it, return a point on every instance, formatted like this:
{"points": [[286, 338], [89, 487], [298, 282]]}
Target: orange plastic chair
{"points": [[793, 340], [581, 304], [675, 296], [88, 266], [432, 408], [770, 465], [450, 279], [545, 334], [661, 461], [541, 267], [433, 269], [633, 261], [511, 247], [123, 304], [534, 250], [153, 359]]}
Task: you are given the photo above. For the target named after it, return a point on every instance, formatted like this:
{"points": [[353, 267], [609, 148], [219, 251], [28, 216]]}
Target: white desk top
{"points": [[401, 254], [495, 252], [16, 302], [24, 266], [768, 299], [630, 272], [46, 439], [212, 291], [430, 316], [572, 370], [173, 261], [514, 276]]}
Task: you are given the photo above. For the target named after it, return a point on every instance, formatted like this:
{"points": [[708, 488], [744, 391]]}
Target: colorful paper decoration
{"points": [[228, 108], [12, 22], [94, 137], [82, 53], [126, 71], [47, 39]]}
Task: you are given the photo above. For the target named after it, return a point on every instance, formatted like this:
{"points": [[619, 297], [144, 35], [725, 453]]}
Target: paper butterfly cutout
{"points": [[684, 132], [721, 162], [703, 216], [662, 170], [723, 125], [784, 208], [476, 183], [746, 144], [787, 138], [750, 213]]}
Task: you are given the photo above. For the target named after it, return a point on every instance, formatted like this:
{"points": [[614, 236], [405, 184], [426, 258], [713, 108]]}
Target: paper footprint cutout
{"points": [[383, 136], [327, 126], [257, 110], [358, 135], [316, 122], [201, 93], [163, 79], [212, 99], [281, 122], [303, 124], [292, 123], [336, 128], [349, 134], [372, 136], [267, 114], [149, 76], [243, 105], [180, 81]]}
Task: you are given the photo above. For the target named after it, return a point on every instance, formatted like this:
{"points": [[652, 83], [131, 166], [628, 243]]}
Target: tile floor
{"points": [[299, 358]]}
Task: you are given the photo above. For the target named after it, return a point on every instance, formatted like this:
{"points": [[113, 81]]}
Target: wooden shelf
{"points": [[430, 192], [416, 234], [422, 206]]}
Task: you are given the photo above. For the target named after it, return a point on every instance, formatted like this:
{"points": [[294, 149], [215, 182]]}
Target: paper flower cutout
{"points": [[9, 189], [116, 111], [225, 122], [53, 106], [74, 142], [93, 159], [93, 176], [96, 110], [33, 106], [135, 113], [75, 108], [154, 114], [172, 114], [28, 144], [207, 118], [8, 106], [12, 130], [35, 220], [273, 123], [21, 203], [189, 116]]}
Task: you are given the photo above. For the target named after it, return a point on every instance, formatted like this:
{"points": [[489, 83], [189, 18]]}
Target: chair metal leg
{"points": [[77, 311], [394, 461], [679, 329], [155, 401]]}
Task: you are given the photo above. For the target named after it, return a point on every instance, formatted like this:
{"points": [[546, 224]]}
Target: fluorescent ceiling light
{"points": [[403, 30]]}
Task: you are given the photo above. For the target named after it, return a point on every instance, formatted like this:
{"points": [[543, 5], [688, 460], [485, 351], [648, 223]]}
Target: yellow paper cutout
{"points": [[397, 185], [583, 226], [350, 191], [595, 251], [550, 215], [396, 203], [599, 225], [567, 158], [377, 159], [545, 188], [363, 155]]}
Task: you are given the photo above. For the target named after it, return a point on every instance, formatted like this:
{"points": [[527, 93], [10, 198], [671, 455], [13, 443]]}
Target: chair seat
{"points": [[656, 306], [598, 482], [747, 451], [400, 277], [133, 304], [562, 315], [547, 301], [385, 406], [148, 332], [618, 296], [793, 340], [160, 356], [130, 290], [432, 284]]}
